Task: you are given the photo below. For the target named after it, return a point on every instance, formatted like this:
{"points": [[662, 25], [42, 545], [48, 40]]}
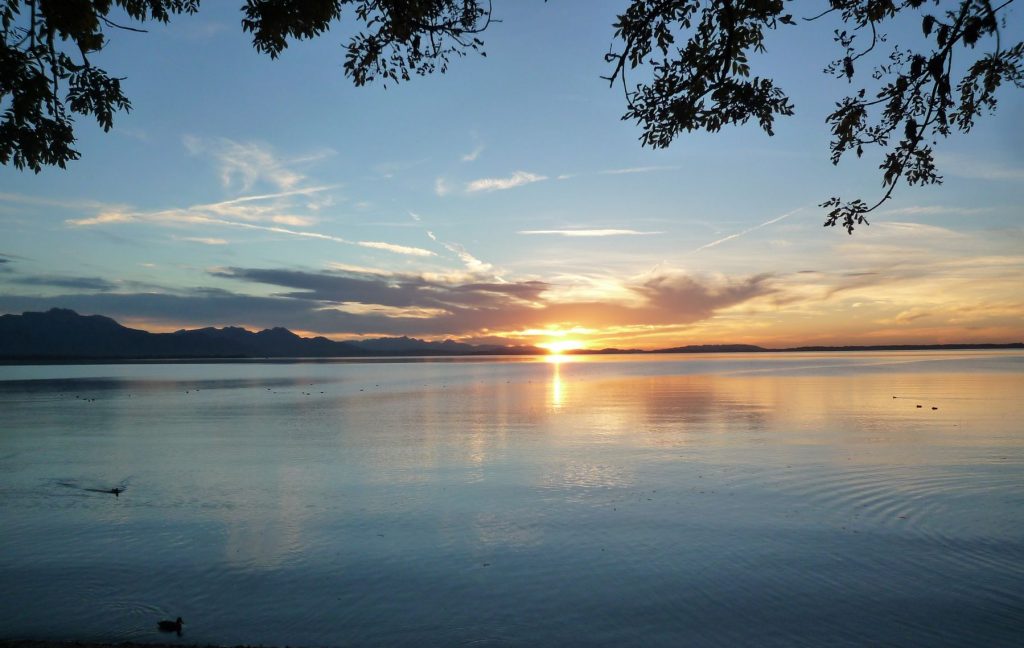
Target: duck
{"points": [[116, 491], [170, 626]]}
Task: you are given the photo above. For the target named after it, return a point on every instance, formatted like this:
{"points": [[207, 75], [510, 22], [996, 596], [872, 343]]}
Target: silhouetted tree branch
{"points": [[694, 56], [697, 53]]}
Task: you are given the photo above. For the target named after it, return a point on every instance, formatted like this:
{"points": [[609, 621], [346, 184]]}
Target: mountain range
{"points": [[62, 334]]}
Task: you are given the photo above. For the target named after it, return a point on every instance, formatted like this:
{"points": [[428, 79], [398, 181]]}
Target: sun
{"points": [[558, 347]]}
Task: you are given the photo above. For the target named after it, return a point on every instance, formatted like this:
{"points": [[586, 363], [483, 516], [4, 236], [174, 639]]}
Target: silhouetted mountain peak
{"points": [[278, 333], [65, 317], [66, 313]]}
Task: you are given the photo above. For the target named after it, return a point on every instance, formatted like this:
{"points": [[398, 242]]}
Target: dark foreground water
{"points": [[703, 500]]}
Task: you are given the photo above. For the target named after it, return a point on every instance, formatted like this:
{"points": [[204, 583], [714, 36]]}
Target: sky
{"points": [[504, 201]]}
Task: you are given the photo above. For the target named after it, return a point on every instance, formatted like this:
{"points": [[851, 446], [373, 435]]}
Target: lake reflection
{"points": [[707, 500]]}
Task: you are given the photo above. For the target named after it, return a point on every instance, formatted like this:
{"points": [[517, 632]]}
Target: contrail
{"points": [[748, 231]]}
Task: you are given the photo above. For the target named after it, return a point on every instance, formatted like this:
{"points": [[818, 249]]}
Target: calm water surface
{"points": [[796, 499]]}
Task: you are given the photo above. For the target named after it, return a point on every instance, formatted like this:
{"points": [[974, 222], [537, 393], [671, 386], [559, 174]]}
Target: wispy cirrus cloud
{"points": [[378, 245], [242, 165], [293, 220], [198, 217], [965, 166], [639, 169], [301, 191], [204, 240], [517, 179], [587, 233], [472, 155], [473, 265], [103, 218], [441, 187], [397, 249], [275, 212], [84, 204], [930, 210]]}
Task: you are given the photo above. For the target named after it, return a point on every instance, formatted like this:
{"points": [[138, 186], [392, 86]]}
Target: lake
{"points": [[700, 500]]}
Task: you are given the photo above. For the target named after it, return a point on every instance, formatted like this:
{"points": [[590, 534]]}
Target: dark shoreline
{"points": [[427, 357]]}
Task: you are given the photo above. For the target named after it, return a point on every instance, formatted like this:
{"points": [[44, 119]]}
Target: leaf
{"points": [[927, 24]]}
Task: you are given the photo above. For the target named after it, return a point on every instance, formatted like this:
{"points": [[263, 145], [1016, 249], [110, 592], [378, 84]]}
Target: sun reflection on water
{"points": [[557, 395]]}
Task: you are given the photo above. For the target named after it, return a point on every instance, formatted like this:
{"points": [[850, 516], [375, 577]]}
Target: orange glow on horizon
{"points": [[558, 347]]}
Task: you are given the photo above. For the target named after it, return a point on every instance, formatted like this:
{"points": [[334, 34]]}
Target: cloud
{"points": [[473, 155], [103, 218], [395, 290], [345, 303], [293, 220], [641, 169], [673, 291], [461, 308], [397, 249], [244, 212], [201, 239], [359, 270], [441, 187], [910, 315], [73, 204], [62, 281], [928, 210], [301, 191], [244, 164], [969, 167], [473, 264], [517, 179], [748, 230], [589, 232]]}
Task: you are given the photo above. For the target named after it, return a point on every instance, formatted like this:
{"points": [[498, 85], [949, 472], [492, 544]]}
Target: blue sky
{"points": [[504, 200]]}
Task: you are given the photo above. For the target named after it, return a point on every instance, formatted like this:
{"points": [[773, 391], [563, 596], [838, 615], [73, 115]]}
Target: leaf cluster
{"points": [[920, 100], [399, 39], [46, 76], [698, 53]]}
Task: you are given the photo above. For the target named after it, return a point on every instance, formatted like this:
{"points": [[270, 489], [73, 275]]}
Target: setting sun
{"points": [[558, 347]]}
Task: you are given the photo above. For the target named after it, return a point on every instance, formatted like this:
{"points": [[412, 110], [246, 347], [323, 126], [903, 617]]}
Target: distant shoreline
{"points": [[705, 350], [62, 336]]}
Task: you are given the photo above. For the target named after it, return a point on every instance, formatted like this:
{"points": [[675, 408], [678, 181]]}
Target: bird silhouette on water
{"points": [[171, 626]]}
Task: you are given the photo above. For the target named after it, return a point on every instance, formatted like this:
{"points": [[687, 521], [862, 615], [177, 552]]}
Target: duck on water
{"points": [[170, 626]]}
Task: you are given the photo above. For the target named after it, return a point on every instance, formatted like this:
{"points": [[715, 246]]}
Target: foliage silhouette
{"points": [[695, 55]]}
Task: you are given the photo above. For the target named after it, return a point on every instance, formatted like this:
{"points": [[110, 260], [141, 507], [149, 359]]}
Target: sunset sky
{"points": [[503, 201]]}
